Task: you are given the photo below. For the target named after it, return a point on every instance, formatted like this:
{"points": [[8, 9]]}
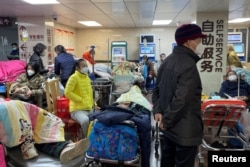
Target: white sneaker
{"points": [[73, 150], [28, 151]]}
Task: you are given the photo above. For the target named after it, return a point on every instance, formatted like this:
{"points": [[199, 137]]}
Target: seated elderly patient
{"points": [[238, 88], [235, 87], [33, 128], [28, 86]]}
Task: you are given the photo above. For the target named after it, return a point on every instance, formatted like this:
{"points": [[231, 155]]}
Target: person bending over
{"points": [[64, 64]]}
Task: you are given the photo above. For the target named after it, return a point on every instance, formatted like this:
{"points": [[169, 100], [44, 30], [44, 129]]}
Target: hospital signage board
{"points": [[214, 58]]}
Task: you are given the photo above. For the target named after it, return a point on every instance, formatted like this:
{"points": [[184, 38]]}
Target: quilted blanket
{"points": [[10, 70], [18, 118]]}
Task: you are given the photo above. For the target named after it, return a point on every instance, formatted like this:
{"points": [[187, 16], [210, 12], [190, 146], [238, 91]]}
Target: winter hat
{"points": [[188, 32]]}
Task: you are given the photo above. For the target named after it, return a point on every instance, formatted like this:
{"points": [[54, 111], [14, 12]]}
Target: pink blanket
{"points": [[11, 69]]}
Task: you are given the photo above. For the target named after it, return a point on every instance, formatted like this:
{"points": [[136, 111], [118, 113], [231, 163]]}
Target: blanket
{"points": [[135, 95], [124, 68], [10, 70], [100, 69], [243, 73], [18, 117]]}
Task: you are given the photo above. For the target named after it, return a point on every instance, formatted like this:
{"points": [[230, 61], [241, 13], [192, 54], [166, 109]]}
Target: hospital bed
{"points": [[220, 116]]}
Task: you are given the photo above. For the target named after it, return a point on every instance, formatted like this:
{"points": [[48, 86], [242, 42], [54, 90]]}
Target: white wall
{"points": [[102, 38]]}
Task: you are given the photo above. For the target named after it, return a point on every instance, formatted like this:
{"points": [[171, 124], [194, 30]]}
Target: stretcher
{"points": [[218, 117], [102, 88]]}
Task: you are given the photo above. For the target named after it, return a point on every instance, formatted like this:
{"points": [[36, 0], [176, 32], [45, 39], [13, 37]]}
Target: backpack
{"points": [[2, 155], [116, 142]]}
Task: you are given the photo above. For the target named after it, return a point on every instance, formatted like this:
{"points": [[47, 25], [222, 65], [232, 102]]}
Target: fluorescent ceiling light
{"points": [[239, 20], [161, 22], [41, 2], [49, 23], [25, 24], [90, 23]]}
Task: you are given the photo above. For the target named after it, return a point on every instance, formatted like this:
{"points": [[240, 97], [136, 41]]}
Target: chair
{"points": [[52, 94], [7, 87]]}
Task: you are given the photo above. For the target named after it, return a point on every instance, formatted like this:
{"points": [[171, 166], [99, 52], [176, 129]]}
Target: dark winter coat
{"points": [[64, 65], [37, 59], [177, 95]]}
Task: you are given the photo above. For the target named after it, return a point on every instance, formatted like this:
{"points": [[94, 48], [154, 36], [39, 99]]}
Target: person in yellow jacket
{"points": [[80, 94], [232, 57]]}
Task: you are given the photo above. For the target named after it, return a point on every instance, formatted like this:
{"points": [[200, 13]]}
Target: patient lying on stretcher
{"points": [[33, 128]]}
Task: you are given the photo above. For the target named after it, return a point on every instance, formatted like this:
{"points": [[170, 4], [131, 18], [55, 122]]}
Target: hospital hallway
{"points": [[155, 162]]}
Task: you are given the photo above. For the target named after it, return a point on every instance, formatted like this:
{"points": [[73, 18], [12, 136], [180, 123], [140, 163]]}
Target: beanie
{"points": [[188, 32]]}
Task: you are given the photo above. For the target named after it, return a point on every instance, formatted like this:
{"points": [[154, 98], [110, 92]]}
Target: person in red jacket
{"points": [[88, 56]]}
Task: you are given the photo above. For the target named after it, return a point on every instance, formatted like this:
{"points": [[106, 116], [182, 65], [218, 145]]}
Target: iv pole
{"points": [[92, 52], [159, 45]]}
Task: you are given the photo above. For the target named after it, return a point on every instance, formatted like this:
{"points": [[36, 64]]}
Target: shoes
{"points": [[73, 150], [219, 144], [28, 151]]}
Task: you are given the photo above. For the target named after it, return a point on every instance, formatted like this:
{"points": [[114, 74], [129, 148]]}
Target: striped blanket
{"points": [[18, 117]]}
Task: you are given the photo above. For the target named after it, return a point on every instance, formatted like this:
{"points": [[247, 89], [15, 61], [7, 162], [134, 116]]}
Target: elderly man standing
{"points": [[177, 98]]}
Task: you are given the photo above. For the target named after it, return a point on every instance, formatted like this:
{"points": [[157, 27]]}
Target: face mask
{"points": [[199, 49], [85, 70], [232, 77], [42, 54], [30, 72], [14, 48], [233, 68]]}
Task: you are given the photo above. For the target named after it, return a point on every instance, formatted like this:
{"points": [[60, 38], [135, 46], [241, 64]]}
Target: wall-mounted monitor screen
{"points": [[234, 37], [147, 50], [239, 48], [146, 38], [117, 51]]}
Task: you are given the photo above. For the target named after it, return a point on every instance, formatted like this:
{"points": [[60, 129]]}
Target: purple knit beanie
{"points": [[188, 32]]}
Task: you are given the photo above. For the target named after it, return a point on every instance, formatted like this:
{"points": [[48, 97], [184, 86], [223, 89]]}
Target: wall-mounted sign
{"points": [[5, 22]]}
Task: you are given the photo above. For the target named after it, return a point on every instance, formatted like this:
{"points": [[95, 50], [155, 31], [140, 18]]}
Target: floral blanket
{"points": [[18, 118]]}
